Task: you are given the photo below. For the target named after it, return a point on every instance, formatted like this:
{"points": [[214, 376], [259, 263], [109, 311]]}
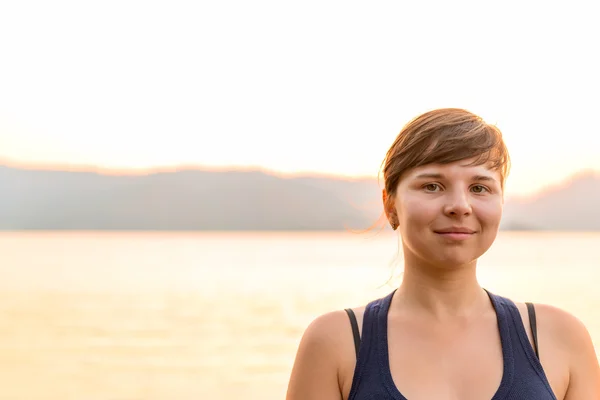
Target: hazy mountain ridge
{"points": [[240, 200], [571, 205]]}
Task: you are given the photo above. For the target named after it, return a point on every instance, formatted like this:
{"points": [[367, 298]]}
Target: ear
{"points": [[390, 210]]}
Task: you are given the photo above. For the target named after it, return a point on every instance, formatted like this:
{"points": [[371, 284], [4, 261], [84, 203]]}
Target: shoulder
{"points": [[325, 329], [566, 345], [322, 362], [571, 334], [558, 328], [565, 327], [331, 335], [556, 322]]}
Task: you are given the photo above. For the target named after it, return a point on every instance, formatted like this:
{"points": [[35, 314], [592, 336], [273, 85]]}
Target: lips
{"points": [[455, 233], [455, 230]]}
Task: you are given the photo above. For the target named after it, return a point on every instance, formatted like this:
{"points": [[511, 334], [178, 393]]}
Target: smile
{"points": [[456, 235]]}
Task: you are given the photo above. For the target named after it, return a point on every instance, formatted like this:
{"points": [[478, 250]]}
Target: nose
{"points": [[458, 205]]}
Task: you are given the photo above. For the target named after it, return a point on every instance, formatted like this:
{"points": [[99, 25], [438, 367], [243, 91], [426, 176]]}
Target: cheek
{"points": [[490, 213], [413, 212]]}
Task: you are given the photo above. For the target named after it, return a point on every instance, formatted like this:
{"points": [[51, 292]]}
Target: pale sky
{"points": [[294, 86]]}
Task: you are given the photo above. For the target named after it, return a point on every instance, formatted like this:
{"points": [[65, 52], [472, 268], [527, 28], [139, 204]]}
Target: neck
{"points": [[441, 293]]}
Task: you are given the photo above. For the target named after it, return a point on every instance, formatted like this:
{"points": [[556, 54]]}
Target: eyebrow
{"points": [[441, 176]]}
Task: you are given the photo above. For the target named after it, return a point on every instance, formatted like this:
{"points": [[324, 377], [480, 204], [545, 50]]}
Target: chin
{"points": [[446, 257], [458, 259]]}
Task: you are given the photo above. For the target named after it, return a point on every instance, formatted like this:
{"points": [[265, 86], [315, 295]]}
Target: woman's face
{"points": [[448, 214]]}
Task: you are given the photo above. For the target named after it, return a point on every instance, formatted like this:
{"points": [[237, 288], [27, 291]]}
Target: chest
{"points": [[446, 362]]}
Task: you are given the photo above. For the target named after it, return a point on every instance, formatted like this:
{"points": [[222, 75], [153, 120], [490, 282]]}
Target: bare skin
{"points": [[440, 319]]}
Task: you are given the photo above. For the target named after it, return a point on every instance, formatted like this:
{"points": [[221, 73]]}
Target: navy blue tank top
{"points": [[523, 377]]}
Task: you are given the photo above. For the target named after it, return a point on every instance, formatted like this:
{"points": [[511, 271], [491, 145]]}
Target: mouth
{"points": [[456, 233]]}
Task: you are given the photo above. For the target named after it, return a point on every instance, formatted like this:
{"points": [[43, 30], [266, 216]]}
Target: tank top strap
{"points": [[373, 341], [523, 351]]}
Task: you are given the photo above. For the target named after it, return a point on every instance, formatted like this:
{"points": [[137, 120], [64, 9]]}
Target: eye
{"points": [[431, 187], [479, 189]]}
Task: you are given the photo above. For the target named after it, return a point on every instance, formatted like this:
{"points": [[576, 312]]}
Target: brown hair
{"points": [[444, 136]]}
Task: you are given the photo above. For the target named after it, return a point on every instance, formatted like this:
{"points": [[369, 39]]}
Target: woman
{"points": [[440, 335]]}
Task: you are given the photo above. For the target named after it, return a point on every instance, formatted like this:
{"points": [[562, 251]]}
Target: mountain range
{"points": [[208, 200]]}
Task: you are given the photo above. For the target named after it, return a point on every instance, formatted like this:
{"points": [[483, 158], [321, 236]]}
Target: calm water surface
{"points": [[128, 316]]}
